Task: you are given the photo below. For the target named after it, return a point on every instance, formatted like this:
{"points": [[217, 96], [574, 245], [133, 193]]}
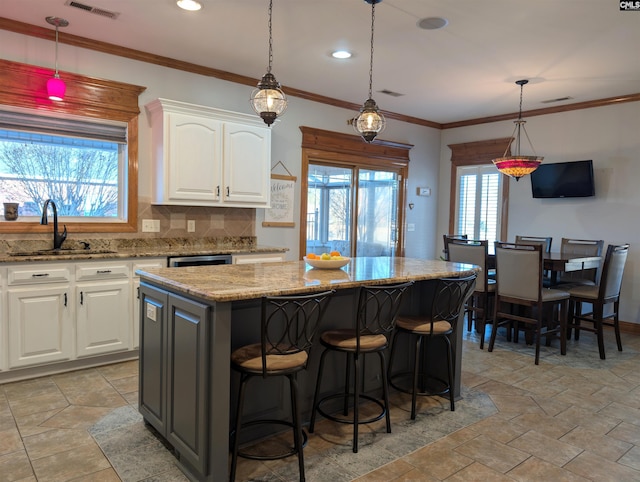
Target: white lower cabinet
{"points": [[63, 311], [40, 316], [103, 318], [257, 258]]}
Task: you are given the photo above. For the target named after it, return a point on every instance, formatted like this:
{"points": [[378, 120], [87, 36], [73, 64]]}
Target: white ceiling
{"points": [[583, 49]]}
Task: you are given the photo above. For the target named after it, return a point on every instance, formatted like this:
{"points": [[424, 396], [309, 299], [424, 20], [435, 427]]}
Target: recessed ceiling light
{"points": [[341, 54], [432, 23], [191, 5]]}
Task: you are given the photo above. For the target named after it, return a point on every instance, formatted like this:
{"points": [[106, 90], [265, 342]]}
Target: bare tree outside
{"points": [[83, 181]]}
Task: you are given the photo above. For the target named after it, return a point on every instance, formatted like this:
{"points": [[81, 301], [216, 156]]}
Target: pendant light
{"points": [[370, 122], [268, 100], [55, 85], [517, 165]]}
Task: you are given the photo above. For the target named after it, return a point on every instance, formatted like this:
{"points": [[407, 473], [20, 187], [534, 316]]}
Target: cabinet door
{"points": [[188, 380], [40, 325], [247, 164], [152, 391], [194, 154], [103, 317]]}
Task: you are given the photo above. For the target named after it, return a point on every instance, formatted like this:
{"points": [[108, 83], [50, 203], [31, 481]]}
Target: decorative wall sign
{"points": [[282, 200]]}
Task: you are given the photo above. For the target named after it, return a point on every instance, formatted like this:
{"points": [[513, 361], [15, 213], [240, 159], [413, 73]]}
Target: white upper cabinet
{"points": [[208, 157]]}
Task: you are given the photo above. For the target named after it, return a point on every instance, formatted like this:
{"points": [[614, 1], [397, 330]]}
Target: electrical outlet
{"points": [[156, 225], [191, 226], [147, 225]]}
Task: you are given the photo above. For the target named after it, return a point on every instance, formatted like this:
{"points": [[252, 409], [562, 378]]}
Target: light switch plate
{"points": [[191, 226]]}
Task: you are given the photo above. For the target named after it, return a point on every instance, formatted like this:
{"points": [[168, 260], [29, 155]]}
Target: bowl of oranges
{"points": [[332, 260]]}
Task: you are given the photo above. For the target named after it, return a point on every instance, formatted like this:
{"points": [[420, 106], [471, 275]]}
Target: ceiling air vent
{"points": [[95, 10], [391, 93]]}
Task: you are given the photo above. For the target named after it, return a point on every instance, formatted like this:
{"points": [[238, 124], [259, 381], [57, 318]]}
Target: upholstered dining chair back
{"points": [[471, 251], [446, 238], [612, 271], [545, 242], [581, 247], [519, 270]]}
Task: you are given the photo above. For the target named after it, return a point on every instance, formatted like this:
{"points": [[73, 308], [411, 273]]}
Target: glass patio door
{"points": [[358, 218]]}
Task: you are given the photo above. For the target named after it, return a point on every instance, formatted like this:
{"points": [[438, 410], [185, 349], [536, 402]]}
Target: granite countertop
{"points": [[223, 283], [37, 251]]}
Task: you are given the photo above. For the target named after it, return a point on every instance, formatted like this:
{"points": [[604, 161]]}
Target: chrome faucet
{"points": [[58, 238]]}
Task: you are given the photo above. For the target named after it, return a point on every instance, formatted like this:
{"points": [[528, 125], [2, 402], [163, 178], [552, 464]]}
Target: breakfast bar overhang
{"points": [[192, 318]]}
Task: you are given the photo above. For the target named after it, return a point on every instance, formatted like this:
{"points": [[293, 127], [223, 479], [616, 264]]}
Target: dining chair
{"points": [[375, 319], [582, 247], [448, 301], [606, 292], [545, 242], [288, 325], [519, 269], [446, 238], [478, 306]]}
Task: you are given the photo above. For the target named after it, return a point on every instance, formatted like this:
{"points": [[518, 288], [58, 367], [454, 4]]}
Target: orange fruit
{"points": [[311, 256], [335, 253]]}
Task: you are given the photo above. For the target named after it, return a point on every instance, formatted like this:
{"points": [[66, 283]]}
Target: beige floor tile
{"points": [[622, 412], [102, 397], [15, 466], [7, 422], [594, 467], [55, 441], [631, 458], [554, 427], [627, 432], [477, 472], [587, 419], [516, 403], [607, 447], [70, 464], [10, 441], [29, 388], [413, 476], [125, 384], [388, 472], [499, 428], [31, 424], [119, 370], [493, 454], [105, 475], [76, 416], [545, 448], [438, 461], [536, 470], [53, 400]]}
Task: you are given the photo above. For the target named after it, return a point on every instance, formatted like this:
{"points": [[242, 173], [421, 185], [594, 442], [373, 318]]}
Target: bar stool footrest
{"points": [[343, 419], [248, 455], [434, 385]]}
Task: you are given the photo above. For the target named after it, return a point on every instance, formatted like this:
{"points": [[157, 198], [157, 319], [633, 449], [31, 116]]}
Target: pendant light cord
{"points": [[270, 40], [56, 49], [373, 18]]}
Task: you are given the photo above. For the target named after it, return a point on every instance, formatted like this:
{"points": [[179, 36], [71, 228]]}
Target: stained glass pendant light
{"points": [[518, 165], [370, 122], [268, 100], [56, 87]]}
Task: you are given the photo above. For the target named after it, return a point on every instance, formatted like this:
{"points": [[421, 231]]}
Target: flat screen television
{"points": [[563, 179]]}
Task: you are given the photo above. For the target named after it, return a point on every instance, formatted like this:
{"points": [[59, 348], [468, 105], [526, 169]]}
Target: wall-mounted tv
{"points": [[563, 179]]}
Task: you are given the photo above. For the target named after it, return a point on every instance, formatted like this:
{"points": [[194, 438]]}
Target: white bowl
{"points": [[327, 263]]}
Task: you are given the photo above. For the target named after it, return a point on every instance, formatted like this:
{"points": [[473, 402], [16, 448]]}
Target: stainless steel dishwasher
{"points": [[200, 260]]}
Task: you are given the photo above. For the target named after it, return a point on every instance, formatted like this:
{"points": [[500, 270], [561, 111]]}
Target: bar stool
{"points": [[288, 324], [448, 302], [378, 308]]}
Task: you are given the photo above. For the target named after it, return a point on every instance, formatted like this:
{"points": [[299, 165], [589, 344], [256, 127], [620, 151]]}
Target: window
{"points": [[354, 195], [78, 163], [478, 202], [94, 128], [479, 193]]}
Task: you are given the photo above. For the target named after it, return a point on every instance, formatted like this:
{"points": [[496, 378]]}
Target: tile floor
{"points": [[570, 418]]}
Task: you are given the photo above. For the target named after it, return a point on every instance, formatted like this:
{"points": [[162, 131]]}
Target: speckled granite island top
{"points": [[223, 283]]}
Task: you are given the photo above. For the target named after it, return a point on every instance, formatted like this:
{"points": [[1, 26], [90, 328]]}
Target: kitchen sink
{"points": [[62, 251]]}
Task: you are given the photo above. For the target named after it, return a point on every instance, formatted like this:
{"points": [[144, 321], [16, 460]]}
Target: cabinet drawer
{"points": [[35, 274], [94, 271]]}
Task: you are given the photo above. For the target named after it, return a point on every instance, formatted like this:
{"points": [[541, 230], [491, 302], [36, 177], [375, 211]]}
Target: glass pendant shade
{"points": [[370, 122], [56, 88], [517, 165], [268, 100]]}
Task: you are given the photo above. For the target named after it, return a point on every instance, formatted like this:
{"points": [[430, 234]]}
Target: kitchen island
{"points": [[192, 318]]}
